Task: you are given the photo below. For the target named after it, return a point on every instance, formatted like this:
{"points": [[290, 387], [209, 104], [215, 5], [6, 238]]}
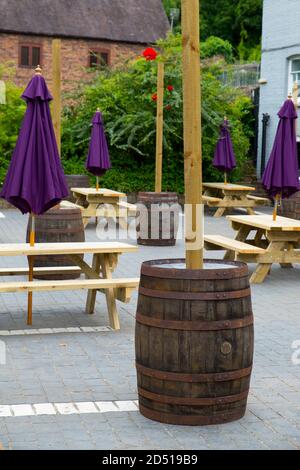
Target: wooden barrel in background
{"points": [[56, 226], [157, 218], [291, 207], [194, 342], [76, 181]]}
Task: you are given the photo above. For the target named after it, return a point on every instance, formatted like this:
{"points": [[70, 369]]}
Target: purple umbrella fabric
{"points": [[281, 176], [98, 161], [224, 159], [35, 180]]}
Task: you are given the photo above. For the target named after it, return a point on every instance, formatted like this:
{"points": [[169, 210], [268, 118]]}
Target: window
{"points": [[30, 55], [99, 58], [294, 76]]}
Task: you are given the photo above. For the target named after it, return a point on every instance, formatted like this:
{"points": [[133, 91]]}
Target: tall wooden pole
{"points": [[56, 79], [192, 134], [159, 127]]}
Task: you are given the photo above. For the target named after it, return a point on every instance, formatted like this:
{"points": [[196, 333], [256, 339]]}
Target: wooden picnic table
{"points": [[98, 275], [229, 196], [273, 242], [104, 202]]}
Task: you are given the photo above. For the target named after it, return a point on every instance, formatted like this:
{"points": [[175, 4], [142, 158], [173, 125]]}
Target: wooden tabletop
{"points": [[266, 222], [228, 187], [100, 192], [18, 249]]}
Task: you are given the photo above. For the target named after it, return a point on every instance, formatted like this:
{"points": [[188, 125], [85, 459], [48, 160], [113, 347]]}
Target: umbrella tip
{"points": [[225, 118], [38, 70], [290, 96], [98, 110]]}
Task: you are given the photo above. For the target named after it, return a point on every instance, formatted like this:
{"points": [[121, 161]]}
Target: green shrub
{"points": [[124, 96], [214, 46], [11, 115]]}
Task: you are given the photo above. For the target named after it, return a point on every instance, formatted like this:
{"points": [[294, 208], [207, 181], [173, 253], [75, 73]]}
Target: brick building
{"points": [[93, 32]]}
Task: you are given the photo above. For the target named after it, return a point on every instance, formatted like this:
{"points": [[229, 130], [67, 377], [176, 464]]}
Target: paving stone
{"points": [[90, 363]]}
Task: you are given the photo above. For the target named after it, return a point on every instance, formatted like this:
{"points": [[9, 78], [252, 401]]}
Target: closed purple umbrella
{"points": [[35, 181], [281, 176], [224, 159], [98, 161]]}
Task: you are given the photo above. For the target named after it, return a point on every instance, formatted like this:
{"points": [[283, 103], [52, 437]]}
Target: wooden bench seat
{"points": [[259, 200], [90, 284], [45, 271], [131, 208], [211, 200], [70, 205], [218, 242]]}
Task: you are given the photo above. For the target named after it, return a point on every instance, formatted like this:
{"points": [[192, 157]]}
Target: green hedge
{"points": [[124, 96]]}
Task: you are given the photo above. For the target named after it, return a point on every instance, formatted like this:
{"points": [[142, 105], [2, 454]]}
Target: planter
{"points": [[56, 226], [77, 181], [158, 219], [194, 342]]}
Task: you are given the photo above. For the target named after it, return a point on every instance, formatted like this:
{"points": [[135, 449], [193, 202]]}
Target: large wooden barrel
{"points": [[291, 207], [77, 181], [194, 342], [157, 218], [56, 226]]}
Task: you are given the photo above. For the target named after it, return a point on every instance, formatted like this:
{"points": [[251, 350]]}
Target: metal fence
{"points": [[241, 76]]}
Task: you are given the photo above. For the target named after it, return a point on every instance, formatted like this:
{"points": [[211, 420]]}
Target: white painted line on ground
{"points": [[86, 407], [22, 410], [66, 408], [106, 406], [44, 409], [53, 331]]}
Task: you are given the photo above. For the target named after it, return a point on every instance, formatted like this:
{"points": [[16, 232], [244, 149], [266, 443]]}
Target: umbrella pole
{"points": [[276, 207], [225, 177], [97, 183], [30, 276]]}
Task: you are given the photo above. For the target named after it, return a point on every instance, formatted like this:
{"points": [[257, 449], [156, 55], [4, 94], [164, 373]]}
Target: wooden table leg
{"points": [[260, 273], [263, 269], [250, 211], [30, 294], [290, 247], [110, 294], [91, 297], [219, 212], [89, 212], [241, 236]]}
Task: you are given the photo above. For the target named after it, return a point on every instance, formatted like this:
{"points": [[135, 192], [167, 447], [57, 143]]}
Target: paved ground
{"points": [[86, 365]]}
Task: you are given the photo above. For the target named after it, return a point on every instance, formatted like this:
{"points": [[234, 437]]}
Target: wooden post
{"points": [[159, 127], [192, 134], [56, 78]]}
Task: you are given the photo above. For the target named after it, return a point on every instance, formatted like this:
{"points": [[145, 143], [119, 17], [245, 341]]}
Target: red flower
{"points": [[150, 54], [170, 88], [154, 97], [168, 107]]}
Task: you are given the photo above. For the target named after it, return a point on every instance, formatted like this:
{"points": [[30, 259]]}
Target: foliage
{"points": [[237, 21], [214, 46], [11, 115], [124, 96]]}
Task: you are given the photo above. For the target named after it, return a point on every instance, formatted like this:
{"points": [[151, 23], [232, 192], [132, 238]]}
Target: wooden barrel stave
{"points": [[158, 218], [214, 365], [76, 181], [58, 225]]}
